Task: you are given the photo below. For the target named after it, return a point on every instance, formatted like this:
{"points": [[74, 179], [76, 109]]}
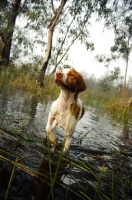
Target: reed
{"points": [[10, 181], [94, 177]]}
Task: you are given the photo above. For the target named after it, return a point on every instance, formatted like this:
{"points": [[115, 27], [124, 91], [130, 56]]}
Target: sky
{"points": [[83, 60]]}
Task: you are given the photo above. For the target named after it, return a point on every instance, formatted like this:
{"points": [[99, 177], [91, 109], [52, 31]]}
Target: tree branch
{"points": [[64, 39], [64, 54], [20, 9], [52, 6], [57, 14]]}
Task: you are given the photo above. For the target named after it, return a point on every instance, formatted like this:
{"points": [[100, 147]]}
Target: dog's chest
{"points": [[62, 116], [62, 112], [63, 106]]}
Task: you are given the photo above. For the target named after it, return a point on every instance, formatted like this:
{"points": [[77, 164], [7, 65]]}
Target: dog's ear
{"points": [[81, 86]]}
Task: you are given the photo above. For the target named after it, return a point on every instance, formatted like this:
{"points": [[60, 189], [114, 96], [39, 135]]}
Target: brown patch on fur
{"points": [[75, 109]]}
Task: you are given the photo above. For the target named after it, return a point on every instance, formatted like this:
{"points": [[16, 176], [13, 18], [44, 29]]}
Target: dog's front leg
{"points": [[51, 124], [69, 130], [68, 137], [67, 142]]}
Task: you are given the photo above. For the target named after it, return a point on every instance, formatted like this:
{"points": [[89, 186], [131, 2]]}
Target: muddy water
{"points": [[22, 125]]}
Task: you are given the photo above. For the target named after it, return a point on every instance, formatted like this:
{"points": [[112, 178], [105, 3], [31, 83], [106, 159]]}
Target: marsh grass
{"points": [[116, 105], [24, 78]]}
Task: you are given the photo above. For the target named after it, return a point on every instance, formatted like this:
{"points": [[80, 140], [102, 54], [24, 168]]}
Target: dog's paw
{"points": [[53, 138], [65, 151]]}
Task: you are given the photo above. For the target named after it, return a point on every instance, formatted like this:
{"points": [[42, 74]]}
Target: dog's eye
{"points": [[72, 75]]}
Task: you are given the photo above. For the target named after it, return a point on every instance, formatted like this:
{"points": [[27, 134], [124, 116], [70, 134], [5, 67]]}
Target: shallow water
{"points": [[22, 110], [22, 124]]}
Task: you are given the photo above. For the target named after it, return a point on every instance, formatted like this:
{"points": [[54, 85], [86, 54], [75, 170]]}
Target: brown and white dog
{"points": [[67, 109]]}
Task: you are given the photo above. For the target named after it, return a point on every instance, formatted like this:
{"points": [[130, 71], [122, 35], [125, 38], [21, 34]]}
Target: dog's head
{"points": [[71, 80]]}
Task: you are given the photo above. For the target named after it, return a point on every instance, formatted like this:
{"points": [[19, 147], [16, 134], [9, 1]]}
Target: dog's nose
{"points": [[59, 74]]}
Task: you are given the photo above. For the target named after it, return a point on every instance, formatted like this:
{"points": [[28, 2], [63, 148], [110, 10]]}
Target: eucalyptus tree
{"points": [[123, 41], [16, 17], [70, 21], [120, 20], [8, 14]]}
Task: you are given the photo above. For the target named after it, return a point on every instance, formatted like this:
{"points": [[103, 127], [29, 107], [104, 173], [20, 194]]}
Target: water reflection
{"points": [[22, 110]]}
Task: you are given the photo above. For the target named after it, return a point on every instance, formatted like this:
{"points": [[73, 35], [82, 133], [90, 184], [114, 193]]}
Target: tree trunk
{"points": [[6, 37], [126, 71], [51, 27], [127, 60]]}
